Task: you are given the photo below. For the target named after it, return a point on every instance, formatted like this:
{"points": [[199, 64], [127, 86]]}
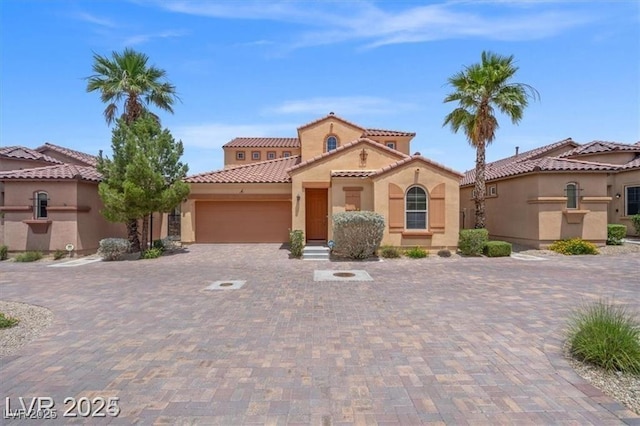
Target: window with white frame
{"points": [[416, 208], [239, 155], [271, 155], [40, 201], [572, 195], [286, 154], [255, 155], [331, 143], [632, 200]]}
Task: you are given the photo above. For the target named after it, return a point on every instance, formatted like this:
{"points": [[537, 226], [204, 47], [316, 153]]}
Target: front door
{"points": [[316, 214]]}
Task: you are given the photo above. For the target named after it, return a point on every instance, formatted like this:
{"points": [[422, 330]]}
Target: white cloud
{"points": [[144, 38], [214, 135], [341, 105], [93, 19]]}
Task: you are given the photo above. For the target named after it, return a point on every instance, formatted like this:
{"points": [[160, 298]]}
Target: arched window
{"points": [[332, 143], [40, 201], [572, 195], [416, 208]]}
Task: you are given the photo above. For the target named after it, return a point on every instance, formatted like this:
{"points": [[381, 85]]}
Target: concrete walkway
{"points": [[431, 341]]}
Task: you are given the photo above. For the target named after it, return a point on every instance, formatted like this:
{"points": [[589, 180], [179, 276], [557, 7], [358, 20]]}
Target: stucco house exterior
{"points": [[271, 185], [49, 198], [562, 190]]}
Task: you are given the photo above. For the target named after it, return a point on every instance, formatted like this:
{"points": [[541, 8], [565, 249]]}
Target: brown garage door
{"points": [[243, 221]]}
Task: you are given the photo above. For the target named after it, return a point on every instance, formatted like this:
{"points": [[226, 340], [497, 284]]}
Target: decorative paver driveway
{"points": [[459, 341]]}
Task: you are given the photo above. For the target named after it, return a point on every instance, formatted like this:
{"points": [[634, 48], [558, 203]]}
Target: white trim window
{"points": [[331, 143], [631, 200], [40, 201], [571, 190], [416, 208]]}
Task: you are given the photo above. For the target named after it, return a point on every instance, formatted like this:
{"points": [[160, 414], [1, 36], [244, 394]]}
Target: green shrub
{"points": [[296, 242], [389, 252], [635, 220], [605, 335], [574, 246], [152, 253], [159, 244], [6, 322], [472, 241], [4, 252], [416, 252], [357, 234], [444, 253], [113, 248], [615, 234], [497, 249], [59, 254], [29, 256]]}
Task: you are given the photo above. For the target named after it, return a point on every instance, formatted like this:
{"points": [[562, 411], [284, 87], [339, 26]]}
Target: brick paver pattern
{"points": [[431, 341]]}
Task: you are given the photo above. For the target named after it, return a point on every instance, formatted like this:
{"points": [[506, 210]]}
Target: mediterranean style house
{"points": [[271, 185], [562, 190]]}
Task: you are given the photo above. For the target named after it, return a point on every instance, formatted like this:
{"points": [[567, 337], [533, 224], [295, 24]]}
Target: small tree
{"points": [[144, 176]]}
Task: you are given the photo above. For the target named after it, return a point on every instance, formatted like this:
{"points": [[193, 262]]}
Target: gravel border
{"points": [[34, 320]]}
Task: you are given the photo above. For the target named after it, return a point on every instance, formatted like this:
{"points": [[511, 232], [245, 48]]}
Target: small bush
{"points": [[4, 252], [444, 253], [113, 248], [497, 249], [615, 234], [6, 322], [159, 244], [416, 253], [152, 253], [59, 254], [605, 335], [389, 252], [29, 256], [635, 220], [574, 246], [296, 242], [472, 241], [357, 234]]}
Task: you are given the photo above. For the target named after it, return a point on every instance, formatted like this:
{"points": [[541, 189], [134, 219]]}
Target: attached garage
{"points": [[243, 221]]}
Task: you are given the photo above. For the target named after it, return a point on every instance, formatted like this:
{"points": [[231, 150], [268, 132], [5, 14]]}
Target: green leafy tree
{"points": [[479, 90], [127, 79], [144, 176]]}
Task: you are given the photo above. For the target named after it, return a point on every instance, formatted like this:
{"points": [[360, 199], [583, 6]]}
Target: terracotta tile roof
{"points": [[88, 159], [347, 146], [23, 153], [352, 173], [413, 158], [263, 143], [330, 115], [536, 152], [58, 172], [383, 132], [600, 146], [633, 164], [270, 171]]}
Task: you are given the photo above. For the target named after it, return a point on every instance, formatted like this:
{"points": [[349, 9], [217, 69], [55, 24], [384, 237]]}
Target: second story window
{"points": [[332, 143], [40, 202], [572, 195]]}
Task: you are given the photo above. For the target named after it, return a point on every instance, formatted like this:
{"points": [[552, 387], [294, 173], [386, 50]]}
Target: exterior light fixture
{"points": [[298, 197], [618, 195], [363, 155]]}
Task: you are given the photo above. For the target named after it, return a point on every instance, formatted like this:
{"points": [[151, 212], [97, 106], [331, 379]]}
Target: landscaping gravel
{"points": [[34, 320]]}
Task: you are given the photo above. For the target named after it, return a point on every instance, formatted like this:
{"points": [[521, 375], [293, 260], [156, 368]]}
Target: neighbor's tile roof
{"points": [[539, 152], [600, 146], [270, 171], [387, 133], [88, 159], [58, 172], [263, 143], [23, 153], [633, 164], [411, 158], [352, 173]]}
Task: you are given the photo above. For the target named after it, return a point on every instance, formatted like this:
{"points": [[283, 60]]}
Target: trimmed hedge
{"points": [[4, 252], [296, 242], [472, 241], [497, 249], [615, 234], [358, 234]]}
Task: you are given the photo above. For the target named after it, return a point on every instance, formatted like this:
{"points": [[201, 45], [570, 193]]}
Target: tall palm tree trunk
{"points": [[480, 187], [132, 233]]}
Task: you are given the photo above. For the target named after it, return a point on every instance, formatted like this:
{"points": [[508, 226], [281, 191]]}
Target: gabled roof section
{"points": [[633, 164], [58, 172], [88, 159], [330, 115], [344, 147], [386, 133], [413, 159], [536, 152], [596, 147], [270, 171], [23, 153], [263, 143], [352, 173]]}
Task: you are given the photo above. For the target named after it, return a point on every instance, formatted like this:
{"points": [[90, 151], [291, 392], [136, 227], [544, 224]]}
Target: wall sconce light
{"points": [[363, 155], [298, 197], [618, 195], [417, 170]]}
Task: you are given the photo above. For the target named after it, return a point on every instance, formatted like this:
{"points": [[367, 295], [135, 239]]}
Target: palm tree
{"points": [[127, 78], [479, 89]]}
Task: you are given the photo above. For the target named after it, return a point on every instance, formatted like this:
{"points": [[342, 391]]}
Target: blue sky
{"points": [[258, 68]]}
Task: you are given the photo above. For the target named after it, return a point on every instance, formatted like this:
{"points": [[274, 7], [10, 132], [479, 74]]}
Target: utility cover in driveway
{"points": [[350, 275]]}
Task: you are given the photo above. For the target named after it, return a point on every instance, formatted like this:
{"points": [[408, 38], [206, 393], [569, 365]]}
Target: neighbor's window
{"points": [[40, 205], [255, 155], [632, 200], [271, 155], [416, 208], [239, 155], [492, 190], [572, 195], [332, 143], [391, 145], [286, 154]]}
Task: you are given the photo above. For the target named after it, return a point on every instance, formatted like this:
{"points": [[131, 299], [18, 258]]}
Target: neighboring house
{"points": [[562, 190], [49, 198], [271, 185]]}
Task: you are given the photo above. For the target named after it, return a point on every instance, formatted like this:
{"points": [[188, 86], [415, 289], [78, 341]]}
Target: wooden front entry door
{"points": [[316, 213]]}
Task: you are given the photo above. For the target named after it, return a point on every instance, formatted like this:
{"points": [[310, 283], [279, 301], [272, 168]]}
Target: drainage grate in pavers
{"points": [[350, 275], [225, 285]]}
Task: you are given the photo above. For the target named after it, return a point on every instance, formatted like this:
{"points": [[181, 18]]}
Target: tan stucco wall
{"points": [[403, 143], [7, 164], [219, 191], [312, 138], [618, 183], [231, 161]]}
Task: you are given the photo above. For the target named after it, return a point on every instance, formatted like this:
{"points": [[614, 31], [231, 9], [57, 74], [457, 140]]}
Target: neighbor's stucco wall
{"points": [[92, 226]]}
